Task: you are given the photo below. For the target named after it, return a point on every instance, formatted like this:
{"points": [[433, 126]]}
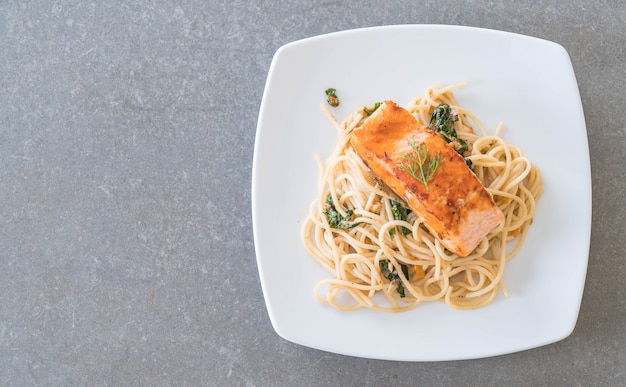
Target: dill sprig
{"points": [[419, 163]]}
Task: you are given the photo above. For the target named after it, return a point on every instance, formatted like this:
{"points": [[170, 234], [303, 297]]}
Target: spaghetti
{"points": [[385, 262]]}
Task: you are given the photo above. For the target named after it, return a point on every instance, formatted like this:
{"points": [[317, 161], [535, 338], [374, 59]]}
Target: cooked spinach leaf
{"points": [[369, 111], [335, 219], [442, 121], [393, 277], [399, 213]]}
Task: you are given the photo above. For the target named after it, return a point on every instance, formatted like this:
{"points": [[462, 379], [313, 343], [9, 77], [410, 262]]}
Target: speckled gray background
{"points": [[126, 141]]}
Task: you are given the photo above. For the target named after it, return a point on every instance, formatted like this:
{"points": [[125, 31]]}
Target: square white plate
{"points": [[527, 83]]}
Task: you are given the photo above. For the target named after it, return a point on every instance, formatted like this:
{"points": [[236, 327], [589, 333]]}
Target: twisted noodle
{"points": [[353, 255]]}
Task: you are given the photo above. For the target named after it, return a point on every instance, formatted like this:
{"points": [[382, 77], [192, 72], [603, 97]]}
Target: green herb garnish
{"points": [[399, 213], [335, 219], [393, 277], [332, 99], [419, 163], [369, 111]]}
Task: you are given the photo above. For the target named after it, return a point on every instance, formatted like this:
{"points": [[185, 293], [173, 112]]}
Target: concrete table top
{"points": [[126, 142]]}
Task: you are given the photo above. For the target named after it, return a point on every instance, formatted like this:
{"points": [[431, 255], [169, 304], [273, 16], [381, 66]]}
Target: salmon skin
{"points": [[448, 199]]}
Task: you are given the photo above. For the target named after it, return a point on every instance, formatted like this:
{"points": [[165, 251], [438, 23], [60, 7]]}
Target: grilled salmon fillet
{"points": [[453, 204]]}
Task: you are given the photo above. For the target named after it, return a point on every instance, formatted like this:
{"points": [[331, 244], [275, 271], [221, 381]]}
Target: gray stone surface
{"points": [[126, 140]]}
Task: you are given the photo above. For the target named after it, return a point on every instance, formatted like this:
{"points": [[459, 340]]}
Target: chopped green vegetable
{"points": [[442, 121], [405, 270], [335, 219], [369, 111], [393, 277], [332, 99], [419, 164], [399, 213]]}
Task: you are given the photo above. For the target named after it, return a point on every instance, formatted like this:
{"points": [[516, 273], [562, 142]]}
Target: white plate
{"points": [[526, 82]]}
